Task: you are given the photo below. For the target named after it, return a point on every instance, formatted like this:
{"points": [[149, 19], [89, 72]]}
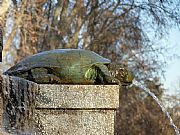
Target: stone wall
{"points": [[58, 109]]}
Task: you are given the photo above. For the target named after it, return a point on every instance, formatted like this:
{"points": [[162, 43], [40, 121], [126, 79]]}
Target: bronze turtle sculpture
{"points": [[68, 66]]}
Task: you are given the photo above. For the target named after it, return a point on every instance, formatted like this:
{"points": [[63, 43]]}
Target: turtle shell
{"points": [[59, 58]]}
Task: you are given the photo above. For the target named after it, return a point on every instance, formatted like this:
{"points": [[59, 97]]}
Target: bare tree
{"points": [[115, 29]]}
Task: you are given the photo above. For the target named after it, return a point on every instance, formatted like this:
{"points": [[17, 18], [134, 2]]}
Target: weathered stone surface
{"points": [[58, 109], [1, 103], [1, 111], [18, 104], [77, 96], [76, 109], [75, 122]]}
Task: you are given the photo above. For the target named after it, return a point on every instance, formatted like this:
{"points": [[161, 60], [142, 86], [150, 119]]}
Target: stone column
{"points": [[17, 105], [65, 109]]}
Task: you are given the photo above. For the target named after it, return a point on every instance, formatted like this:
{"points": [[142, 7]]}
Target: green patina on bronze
{"points": [[68, 66]]}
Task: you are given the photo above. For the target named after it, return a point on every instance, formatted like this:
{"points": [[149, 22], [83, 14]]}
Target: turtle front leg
{"points": [[99, 74]]}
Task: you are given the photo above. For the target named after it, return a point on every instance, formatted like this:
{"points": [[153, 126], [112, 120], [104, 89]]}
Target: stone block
{"points": [[77, 96], [76, 109], [43, 109], [74, 122]]}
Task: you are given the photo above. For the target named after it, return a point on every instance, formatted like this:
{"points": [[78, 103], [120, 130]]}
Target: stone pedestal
{"points": [[76, 109], [68, 109]]}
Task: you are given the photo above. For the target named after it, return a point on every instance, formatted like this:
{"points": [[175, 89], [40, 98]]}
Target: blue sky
{"points": [[172, 74]]}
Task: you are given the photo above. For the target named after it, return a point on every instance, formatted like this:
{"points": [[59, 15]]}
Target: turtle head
{"points": [[122, 74]]}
